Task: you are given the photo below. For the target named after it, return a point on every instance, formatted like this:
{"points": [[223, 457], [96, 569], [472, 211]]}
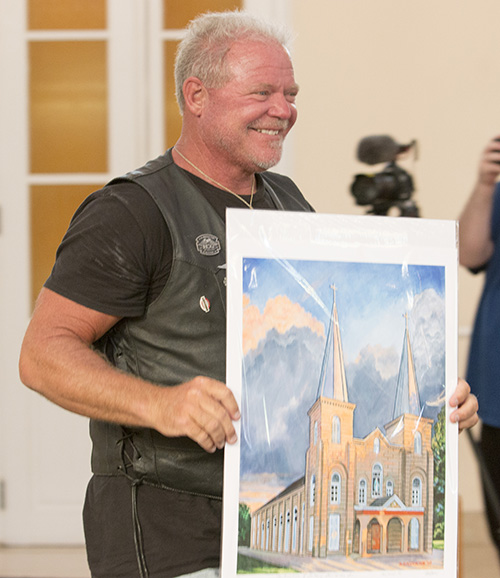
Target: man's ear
{"points": [[195, 95]]}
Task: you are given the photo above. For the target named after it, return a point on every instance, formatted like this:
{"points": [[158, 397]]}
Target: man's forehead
{"points": [[259, 58], [251, 50]]}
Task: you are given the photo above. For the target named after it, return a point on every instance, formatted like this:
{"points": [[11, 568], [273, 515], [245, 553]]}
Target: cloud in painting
{"points": [[280, 314], [281, 374], [385, 359], [279, 386], [372, 378], [428, 339], [372, 387]]}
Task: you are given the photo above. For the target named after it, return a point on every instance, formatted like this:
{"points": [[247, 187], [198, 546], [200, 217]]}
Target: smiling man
{"points": [[129, 329]]}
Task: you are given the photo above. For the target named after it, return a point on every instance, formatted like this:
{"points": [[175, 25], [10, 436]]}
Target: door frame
{"points": [[36, 505]]}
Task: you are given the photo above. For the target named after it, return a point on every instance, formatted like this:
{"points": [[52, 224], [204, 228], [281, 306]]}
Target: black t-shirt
{"points": [[115, 258], [116, 255]]}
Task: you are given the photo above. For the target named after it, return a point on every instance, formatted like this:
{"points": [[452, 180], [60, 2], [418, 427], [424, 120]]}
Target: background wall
{"points": [[414, 70]]}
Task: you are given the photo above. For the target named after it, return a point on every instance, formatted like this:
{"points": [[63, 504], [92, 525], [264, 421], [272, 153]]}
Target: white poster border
{"points": [[358, 239]]}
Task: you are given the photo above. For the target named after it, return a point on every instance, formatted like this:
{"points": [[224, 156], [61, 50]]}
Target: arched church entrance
{"points": [[414, 535], [395, 535], [356, 542], [374, 537]]}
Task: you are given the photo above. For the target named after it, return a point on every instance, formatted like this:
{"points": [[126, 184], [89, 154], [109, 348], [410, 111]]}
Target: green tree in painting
{"points": [[244, 525], [439, 450]]}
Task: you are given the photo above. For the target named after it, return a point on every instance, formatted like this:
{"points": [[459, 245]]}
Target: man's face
{"points": [[246, 120]]}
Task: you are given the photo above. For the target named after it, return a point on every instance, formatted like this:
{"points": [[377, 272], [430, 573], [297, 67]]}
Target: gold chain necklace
{"points": [[248, 204]]}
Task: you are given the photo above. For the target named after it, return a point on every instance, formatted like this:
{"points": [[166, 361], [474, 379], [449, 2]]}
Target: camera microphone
{"points": [[373, 150], [390, 187]]}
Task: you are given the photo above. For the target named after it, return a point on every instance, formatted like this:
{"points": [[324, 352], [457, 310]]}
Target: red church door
{"points": [[374, 534]]}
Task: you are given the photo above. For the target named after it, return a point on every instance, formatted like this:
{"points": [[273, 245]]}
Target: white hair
{"points": [[202, 52]]}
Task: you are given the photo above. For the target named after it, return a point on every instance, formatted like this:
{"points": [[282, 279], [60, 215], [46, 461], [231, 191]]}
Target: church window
{"points": [[377, 481], [311, 533], [302, 524], [294, 528], [389, 488], [416, 492], [362, 492], [335, 488], [336, 430], [287, 531], [315, 432], [280, 535], [418, 444], [268, 526], [275, 523], [312, 496], [376, 446], [262, 536]]}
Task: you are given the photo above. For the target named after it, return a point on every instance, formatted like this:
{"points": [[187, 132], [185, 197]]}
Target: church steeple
{"points": [[407, 395], [332, 381]]}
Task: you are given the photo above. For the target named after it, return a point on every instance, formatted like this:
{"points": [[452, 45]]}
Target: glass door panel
{"points": [[68, 106], [52, 207], [66, 14], [177, 13]]}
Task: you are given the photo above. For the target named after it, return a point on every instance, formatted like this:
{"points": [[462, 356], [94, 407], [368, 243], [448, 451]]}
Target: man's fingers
{"points": [[224, 395], [203, 410], [466, 404], [215, 418]]}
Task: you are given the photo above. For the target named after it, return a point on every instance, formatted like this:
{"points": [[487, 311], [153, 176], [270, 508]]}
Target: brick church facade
{"points": [[364, 496]]}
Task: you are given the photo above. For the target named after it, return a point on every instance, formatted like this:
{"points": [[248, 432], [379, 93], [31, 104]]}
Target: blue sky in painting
{"points": [[371, 298]]}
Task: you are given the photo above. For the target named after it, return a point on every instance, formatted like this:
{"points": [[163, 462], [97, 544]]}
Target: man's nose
{"points": [[281, 107]]}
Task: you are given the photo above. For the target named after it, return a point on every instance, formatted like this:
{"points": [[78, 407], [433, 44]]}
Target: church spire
{"points": [[332, 381], [407, 395]]}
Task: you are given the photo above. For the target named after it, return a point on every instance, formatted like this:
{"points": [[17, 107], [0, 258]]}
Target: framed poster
{"points": [[342, 353]]}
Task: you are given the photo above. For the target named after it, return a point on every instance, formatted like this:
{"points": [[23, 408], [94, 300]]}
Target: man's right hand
{"points": [[202, 409]]}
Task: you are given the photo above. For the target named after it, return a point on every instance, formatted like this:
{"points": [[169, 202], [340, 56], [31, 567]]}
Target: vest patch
{"points": [[208, 244]]}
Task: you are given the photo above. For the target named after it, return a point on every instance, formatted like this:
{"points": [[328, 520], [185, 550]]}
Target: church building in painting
{"points": [[364, 496]]}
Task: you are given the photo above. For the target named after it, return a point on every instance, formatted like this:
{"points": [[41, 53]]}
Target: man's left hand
{"points": [[466, 406]]}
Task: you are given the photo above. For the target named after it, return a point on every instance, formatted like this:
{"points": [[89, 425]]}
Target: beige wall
{"points": [[421, 70]]}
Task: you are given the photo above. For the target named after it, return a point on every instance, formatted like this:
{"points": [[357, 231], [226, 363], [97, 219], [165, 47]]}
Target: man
{"points": [[479, 251], [130, 326]]}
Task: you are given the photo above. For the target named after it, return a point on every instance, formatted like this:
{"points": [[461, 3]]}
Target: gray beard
{"points": [[265, 165]]}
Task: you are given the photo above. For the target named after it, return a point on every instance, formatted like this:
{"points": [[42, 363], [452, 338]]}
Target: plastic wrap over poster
{"points": [[341, 351]]}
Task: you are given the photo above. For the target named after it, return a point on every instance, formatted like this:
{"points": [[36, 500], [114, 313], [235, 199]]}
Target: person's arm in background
{"points": [[476, 245], [57, 360]]}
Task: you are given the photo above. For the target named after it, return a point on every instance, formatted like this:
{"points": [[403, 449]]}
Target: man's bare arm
{"points": [[57, 360]]}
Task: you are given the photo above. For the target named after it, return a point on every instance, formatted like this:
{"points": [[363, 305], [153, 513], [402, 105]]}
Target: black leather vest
{"points": [[182, 334]]}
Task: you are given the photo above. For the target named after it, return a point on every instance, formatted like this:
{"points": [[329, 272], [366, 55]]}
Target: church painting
{"points": [[343, 390]]}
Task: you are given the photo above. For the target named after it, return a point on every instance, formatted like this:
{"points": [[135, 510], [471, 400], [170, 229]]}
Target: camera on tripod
{"points": [[392, 186]]}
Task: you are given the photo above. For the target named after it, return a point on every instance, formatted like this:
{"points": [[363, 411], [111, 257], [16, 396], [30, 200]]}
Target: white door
{"points": [[44, 450], [333, 532]]}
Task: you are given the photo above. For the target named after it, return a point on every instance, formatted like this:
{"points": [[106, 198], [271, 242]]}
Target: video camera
{"points": [[392, 186]]}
